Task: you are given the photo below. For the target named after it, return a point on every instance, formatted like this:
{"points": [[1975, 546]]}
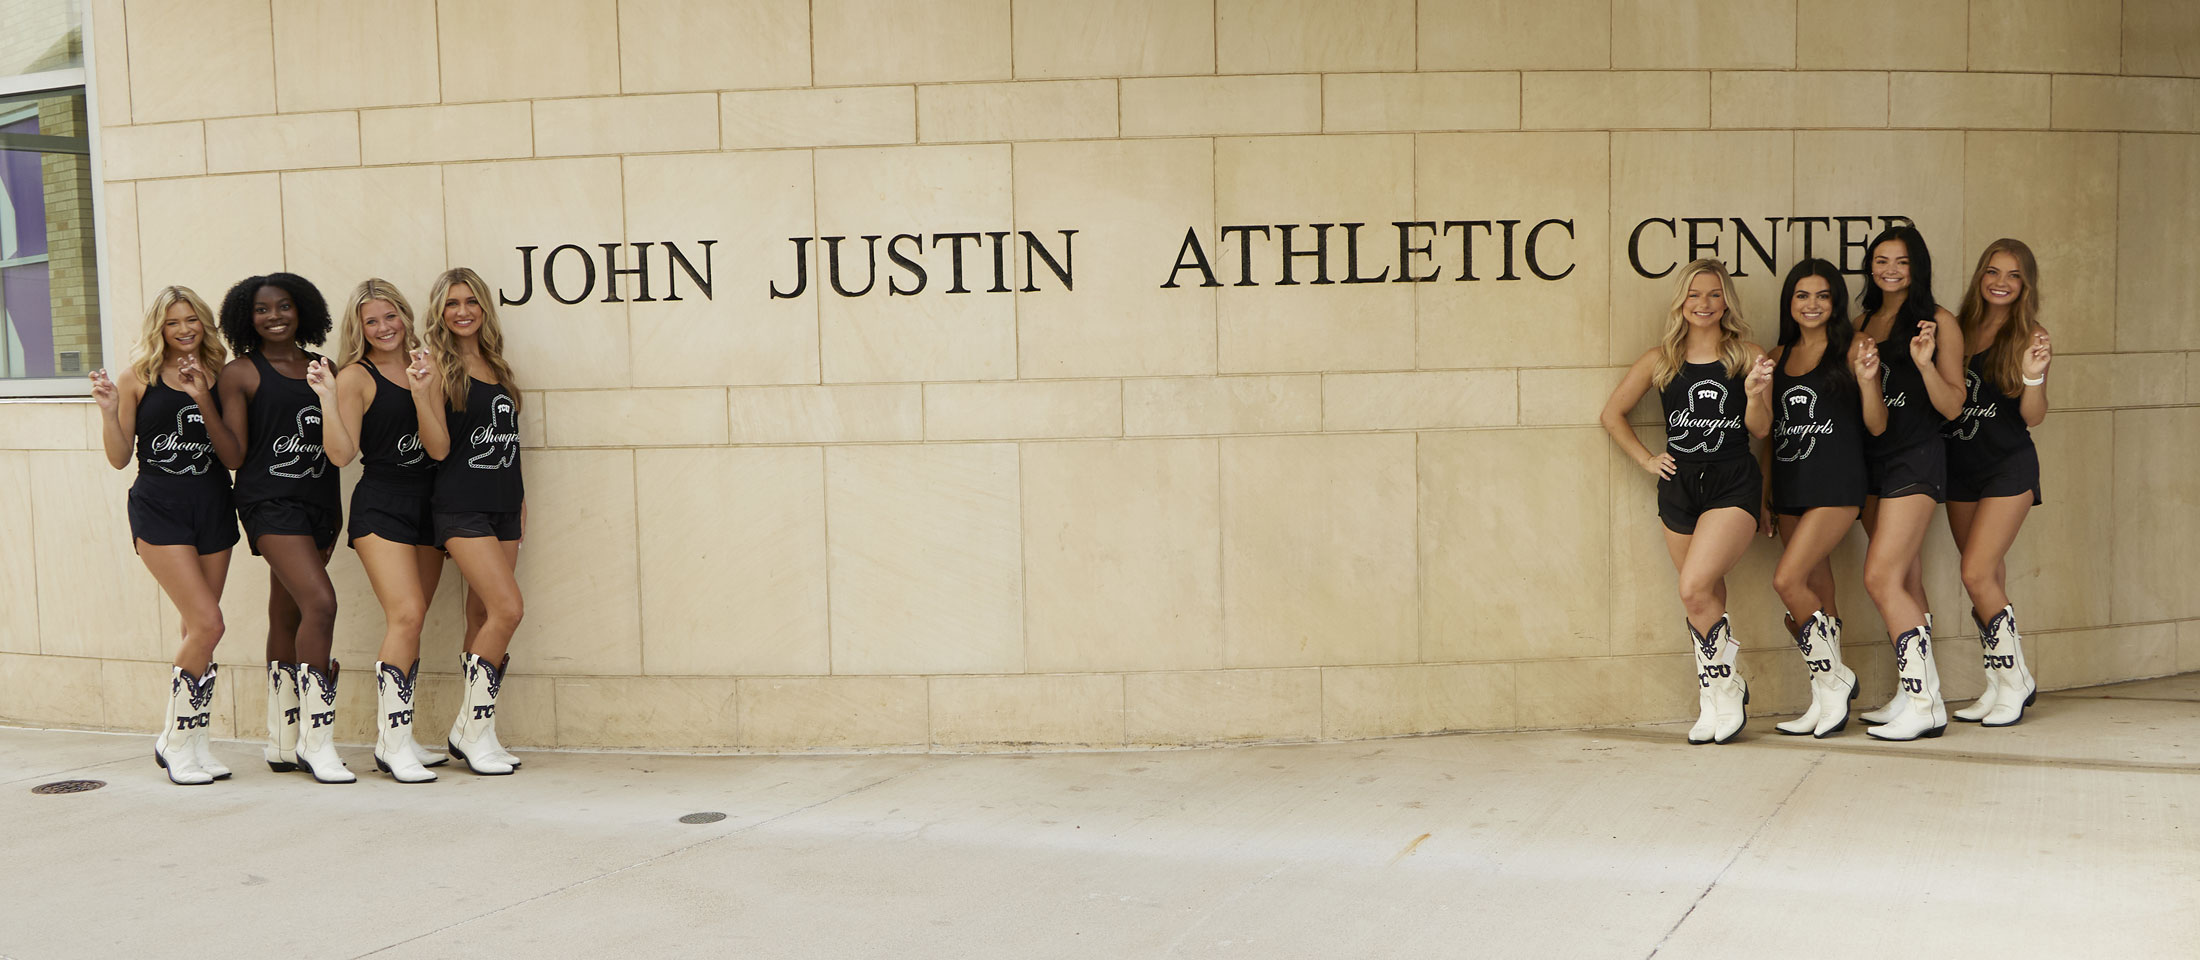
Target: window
{"points": [[50, 333]]}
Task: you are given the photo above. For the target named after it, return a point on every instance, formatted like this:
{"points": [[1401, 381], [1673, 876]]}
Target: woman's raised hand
{"points": [[104, 392], [2038, 356], [322, 380], [1759, 381], [420, 373], [1864, 358], [1921, 346]]}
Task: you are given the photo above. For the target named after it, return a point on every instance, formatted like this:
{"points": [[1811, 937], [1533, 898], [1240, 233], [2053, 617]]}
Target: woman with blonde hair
{"points": [[479, 508], [388, 396], [1716, 390], [163, 407], [1993, 469]]}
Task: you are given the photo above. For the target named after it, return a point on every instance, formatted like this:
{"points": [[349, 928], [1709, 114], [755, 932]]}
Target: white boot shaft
{"points": [[200, 746], [394, 750], [282, 717], [1834, 679], [473, 733], [1706, 653], [187, 697], [1924, 715], [317, 725], [1729, 693], [1806, 642], [2003, 652]]}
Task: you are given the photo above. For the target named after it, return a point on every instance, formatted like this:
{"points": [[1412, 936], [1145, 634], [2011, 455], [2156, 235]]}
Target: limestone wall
{"points": [[1107, 511]]}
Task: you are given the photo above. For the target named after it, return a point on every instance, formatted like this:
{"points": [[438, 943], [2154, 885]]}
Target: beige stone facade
{"points": [[1119, 513]]}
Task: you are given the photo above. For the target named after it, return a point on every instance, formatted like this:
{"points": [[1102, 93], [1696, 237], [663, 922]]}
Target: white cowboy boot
{"points": [[473, 732], [394, 750], [2006, 653], [317, 726], [282, 717], [199, 745], [1925, 715], [1839, 681], [1707, 663], [1992, 694], [1805, 637], [187, 698]]}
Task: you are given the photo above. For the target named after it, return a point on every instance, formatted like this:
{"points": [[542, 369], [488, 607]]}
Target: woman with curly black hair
{"points": [[273, 396]]}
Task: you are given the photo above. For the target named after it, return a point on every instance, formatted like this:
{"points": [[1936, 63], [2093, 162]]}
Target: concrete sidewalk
{"points": [[2076, 833]]}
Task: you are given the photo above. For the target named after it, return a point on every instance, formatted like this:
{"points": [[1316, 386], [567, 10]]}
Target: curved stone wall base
{"points": [[1037, 712]]}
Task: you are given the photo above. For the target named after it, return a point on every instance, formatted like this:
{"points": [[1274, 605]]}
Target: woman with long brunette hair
{"points": [[388, 396], [1826, 401], [478, 509], [1993, 469], [164, 410], [1716, 389], [1921, 378]]}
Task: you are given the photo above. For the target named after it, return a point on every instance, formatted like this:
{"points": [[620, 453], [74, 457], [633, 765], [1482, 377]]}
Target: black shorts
{"points": [[1918, 468], [396, 515], [198, 518], [1698, 486], [503, 525], [2012, 475], [289, 516]]}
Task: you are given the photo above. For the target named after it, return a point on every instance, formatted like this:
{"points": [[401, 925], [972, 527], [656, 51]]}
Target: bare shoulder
{"points": [[1943, 317]]}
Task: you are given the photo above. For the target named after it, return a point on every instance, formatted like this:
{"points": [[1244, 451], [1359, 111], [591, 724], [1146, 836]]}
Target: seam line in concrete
{"points": [[1738, 851], [646, 861]]}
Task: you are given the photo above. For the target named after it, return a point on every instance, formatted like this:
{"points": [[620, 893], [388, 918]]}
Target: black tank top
{"points": [[389, 439], [481, 474], [1992, 424], [1911, 417], [1817, 438], [283, 458], [173, 449], [1703, 414]]}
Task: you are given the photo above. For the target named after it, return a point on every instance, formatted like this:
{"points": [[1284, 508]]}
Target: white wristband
{"points": [[2029, 382]]}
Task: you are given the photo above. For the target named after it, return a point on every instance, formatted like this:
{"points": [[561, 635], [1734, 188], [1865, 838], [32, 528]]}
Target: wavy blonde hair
{"points": [[1733, 330], [152, 348], [2005, 356], [443, 344], [351, 332]]}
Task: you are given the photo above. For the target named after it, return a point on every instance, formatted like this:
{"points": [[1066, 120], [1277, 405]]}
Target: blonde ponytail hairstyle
{"points": [[1733, 330], [152, 348], [351, 331], [443, 344]]}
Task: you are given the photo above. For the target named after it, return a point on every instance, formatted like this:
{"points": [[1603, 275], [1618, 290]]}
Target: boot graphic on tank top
{"points": [[1966, 426], [1800, 427], [184, 458], [1702, 427], [303, 448], [499, 440]]}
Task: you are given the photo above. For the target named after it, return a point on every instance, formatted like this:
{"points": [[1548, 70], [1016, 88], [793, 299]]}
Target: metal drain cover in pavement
{"points": [[711, 817], [69, 786]]}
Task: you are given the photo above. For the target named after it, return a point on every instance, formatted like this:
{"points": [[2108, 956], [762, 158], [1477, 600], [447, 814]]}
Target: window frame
{"points": [[83, 77]]}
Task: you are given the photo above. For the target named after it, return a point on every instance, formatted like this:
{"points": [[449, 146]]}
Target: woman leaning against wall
{"points": [[274, 397], [182, 522], [1826, 401], [1993, 469], [387, 396], [1715, 387], [1921, 377], [479, 507]]}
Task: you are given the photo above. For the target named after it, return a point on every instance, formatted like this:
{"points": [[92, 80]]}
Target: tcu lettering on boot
{"points": [[324, 719], [1820, 666], [192, 722], [290, 715], [2004, 661], [485, 711], [400, 718]]}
